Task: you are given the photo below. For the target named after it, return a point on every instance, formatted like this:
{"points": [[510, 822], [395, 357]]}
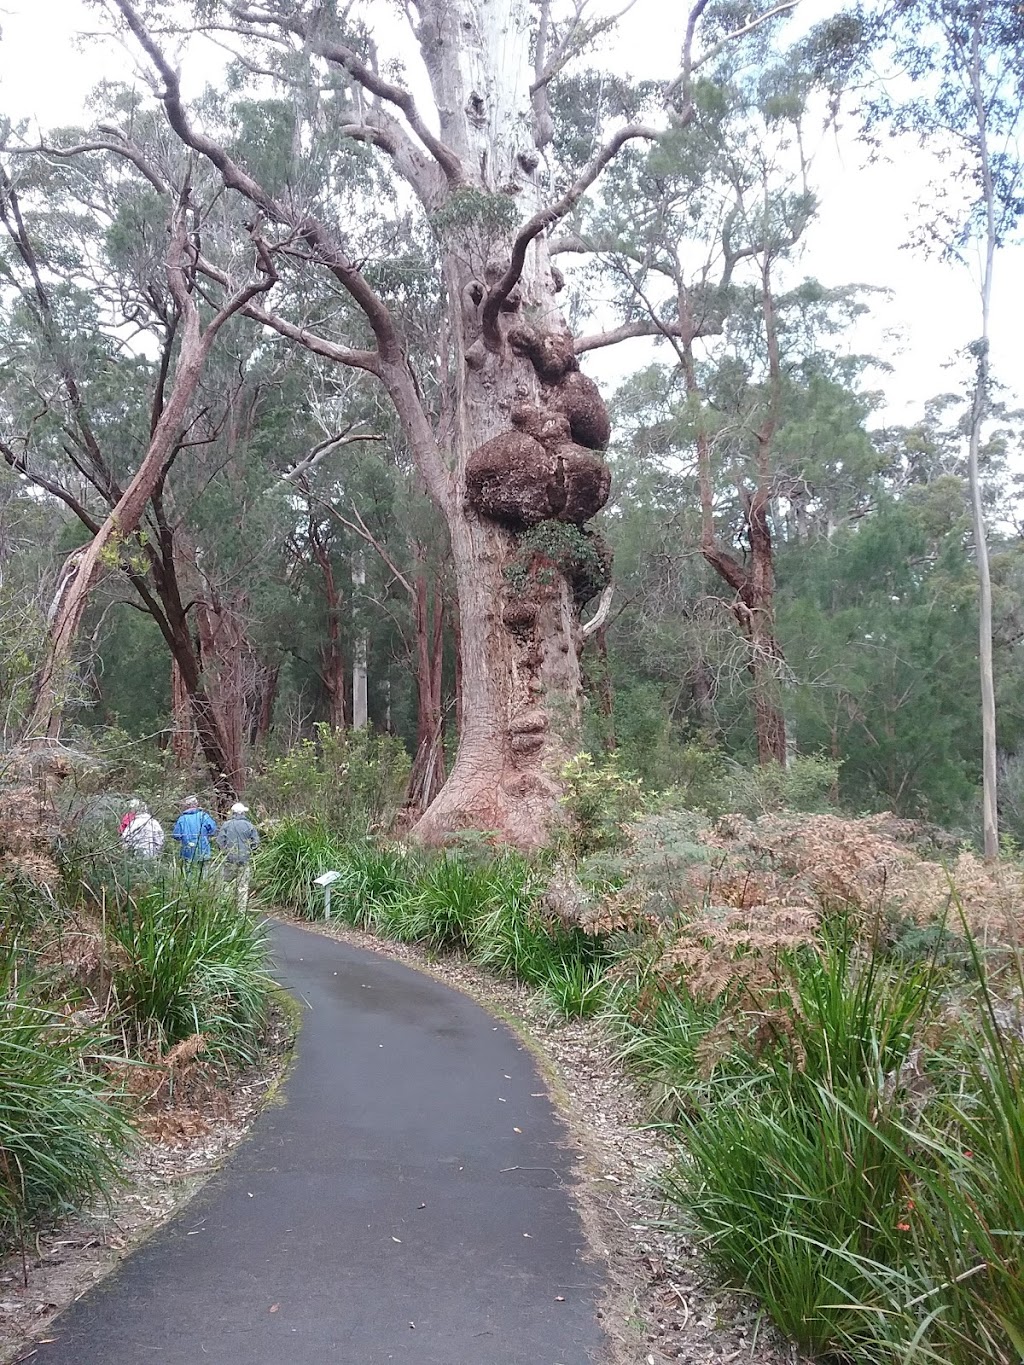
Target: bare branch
{"points": [[124, 149], [642, 327], [753, 23], [310, 461], [19, 463], [681, 84], [361, 529], [599, 617], [573, 43], [546, 217]]}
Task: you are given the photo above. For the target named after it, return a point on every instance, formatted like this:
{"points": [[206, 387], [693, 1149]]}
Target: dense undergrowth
{"points": [[844, 1077], [488, 906], [115, 987]]}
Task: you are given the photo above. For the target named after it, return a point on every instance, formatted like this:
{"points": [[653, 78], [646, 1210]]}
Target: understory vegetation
{"points": [[826, 1017], [119, 992]]}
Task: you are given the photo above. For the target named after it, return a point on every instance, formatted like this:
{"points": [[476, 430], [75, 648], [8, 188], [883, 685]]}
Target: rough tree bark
{"points": [[521, 472], [427, 776], [360, 705]]}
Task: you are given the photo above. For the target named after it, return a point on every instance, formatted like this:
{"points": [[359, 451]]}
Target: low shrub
{"points": [[190, 962], [60, 1127]]}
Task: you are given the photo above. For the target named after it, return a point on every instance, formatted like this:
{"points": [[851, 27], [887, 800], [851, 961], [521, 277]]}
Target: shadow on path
{"points": [[407, 1200]]}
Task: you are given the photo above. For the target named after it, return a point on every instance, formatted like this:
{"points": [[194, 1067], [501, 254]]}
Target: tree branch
{"points": [[642, 327], [310, 461], [341, 55], [330, 350], [753, 23], [390, 362], [601, 615], [544, 218], [124, 148]]}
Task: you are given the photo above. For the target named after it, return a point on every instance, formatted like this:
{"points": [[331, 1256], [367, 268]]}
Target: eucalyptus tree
{"points": [[507, 435], [697, 239], [965, 59], [105, 405]]}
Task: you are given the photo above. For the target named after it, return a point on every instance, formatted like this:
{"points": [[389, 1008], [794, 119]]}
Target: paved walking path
{"points": [[407, 1201]]}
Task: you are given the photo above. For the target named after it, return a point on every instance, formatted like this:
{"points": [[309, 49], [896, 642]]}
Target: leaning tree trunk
{"points": [[527, 424], [124, 517]]}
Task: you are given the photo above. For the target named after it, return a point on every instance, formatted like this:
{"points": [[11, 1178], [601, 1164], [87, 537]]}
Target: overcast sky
{"points": [[920, 327]]}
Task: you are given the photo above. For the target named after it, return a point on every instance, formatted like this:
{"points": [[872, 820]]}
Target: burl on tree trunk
{"points": [[532, 476]]}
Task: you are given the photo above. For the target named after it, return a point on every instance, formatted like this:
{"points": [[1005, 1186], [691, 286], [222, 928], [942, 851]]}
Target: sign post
{"points": [[326, 880]]}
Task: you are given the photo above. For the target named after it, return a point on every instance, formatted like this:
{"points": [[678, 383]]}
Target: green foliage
{"points": [[553, 547], [60, 1128], [349, 781], [848, 1180], [190, 962], [598, 800], [470, 210], [710, 782]]}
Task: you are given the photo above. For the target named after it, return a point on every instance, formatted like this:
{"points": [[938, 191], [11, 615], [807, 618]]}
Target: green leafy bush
{"points": [[348, 781], [60, 1128], [599, 800]]}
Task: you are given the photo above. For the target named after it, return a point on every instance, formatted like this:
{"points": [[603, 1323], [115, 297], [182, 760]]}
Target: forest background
{"points": [[304, 566]]}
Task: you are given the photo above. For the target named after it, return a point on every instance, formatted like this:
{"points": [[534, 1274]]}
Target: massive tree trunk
{"points": [[526, 425], [427, 776], [360, 696]]}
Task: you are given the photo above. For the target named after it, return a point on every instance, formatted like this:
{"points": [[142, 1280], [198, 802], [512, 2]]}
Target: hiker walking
{"points": [[143, 833], [192, 831], [128, 816], [238, 839]]}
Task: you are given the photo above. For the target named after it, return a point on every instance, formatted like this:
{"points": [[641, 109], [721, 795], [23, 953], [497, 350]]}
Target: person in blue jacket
{"points": [[192, 831]]}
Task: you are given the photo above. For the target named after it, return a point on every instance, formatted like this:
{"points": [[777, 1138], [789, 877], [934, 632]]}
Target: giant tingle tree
{"points": [[510, 452]]}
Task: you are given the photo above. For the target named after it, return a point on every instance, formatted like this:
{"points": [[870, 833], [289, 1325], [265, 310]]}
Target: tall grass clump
{"points": [[659, 1029], [374, 886], [964, 1158], [863, 1177], [60, 1128], [189, 962], [288, 862]]}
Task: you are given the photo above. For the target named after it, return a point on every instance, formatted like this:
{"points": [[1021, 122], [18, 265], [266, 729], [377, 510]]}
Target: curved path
{"points": [[408, 1201]]}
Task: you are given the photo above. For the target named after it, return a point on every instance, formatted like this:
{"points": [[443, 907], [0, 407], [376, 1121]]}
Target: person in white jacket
{"points": [[143, 834]]}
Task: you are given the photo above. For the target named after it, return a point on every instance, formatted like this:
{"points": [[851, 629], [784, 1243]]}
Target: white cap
{"points": [[239, 809]]}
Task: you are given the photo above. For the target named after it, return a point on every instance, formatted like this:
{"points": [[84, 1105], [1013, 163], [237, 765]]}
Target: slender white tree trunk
{"points": [[360, 712], [979, 409]]}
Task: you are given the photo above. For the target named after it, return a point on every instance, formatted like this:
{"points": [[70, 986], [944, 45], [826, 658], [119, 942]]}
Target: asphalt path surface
{"points": [[408, 1199]]}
